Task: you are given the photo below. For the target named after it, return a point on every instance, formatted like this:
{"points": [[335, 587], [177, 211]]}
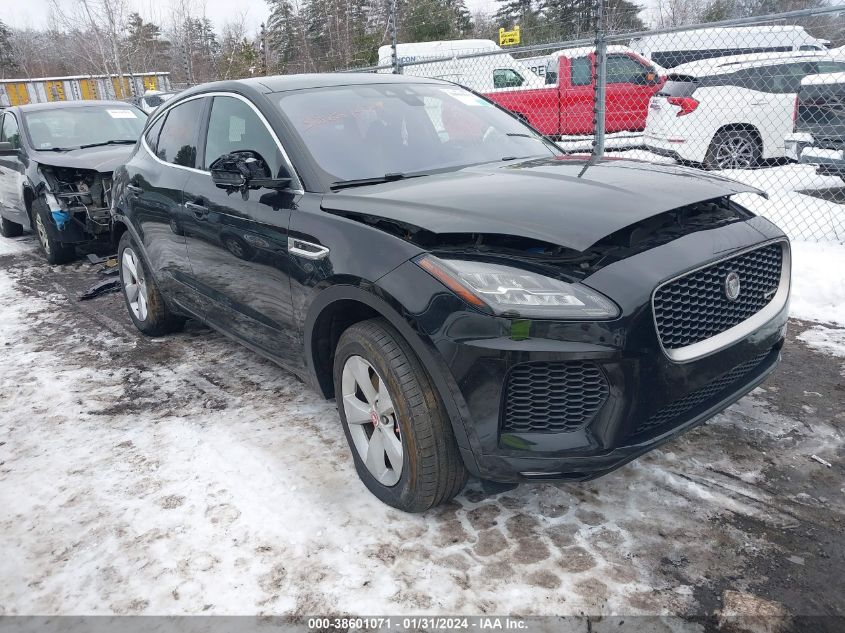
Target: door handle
{"points": [[200, 211], [134, 190]]}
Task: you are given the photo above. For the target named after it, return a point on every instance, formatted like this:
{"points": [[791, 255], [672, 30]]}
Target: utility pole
{"points": [[599, 109], [394, 28], [263, 50]]}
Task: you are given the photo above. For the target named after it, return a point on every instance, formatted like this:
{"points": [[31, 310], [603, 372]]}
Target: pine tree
{"points": [[7, 58], [282, 34]]}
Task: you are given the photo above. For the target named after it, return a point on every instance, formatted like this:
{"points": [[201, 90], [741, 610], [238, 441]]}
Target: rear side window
{"points": [[151, 137], [177, 142], [678, 87], [582, 71]]}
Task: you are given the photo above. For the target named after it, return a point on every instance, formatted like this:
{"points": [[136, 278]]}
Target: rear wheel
{"points": [[9, 228], [397, 428], [56, 251], [733, 149], [146, 306]]}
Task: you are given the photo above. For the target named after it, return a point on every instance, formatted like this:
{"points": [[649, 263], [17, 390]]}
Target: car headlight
{"points": [[513, 292]]}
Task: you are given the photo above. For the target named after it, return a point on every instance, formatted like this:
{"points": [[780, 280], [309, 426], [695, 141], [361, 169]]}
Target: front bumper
{"points": [[480, 352]]}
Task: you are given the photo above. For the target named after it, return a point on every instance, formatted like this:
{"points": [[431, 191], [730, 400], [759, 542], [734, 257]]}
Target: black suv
{"points": [[474, 300]]}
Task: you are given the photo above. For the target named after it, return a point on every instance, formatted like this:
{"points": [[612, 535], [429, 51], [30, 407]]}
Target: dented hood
{"points": [[539, 199], [105, 158]]}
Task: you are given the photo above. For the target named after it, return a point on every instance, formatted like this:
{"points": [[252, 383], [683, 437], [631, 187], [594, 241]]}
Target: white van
{"points": [[489, 73], [672, 49]]}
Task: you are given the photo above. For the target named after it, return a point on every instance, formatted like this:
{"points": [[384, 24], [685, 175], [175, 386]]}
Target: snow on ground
{"points": [[21, 244], [825, 339], [188, 475], [818, 282]]}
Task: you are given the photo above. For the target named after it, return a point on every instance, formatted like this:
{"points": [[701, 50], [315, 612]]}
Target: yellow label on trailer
{"points": [[55, 90], [121, 88], [88, 88], [18, 94], [150, 83], [509, 38]]}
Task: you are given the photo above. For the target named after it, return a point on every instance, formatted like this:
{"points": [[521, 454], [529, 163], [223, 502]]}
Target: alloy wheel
{"points": [[134, 284], [41, 230], [372, 420], [735, 152]]}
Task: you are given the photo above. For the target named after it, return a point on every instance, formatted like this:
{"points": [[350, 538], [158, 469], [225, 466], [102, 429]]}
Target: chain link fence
{"points": [[760, 100]]}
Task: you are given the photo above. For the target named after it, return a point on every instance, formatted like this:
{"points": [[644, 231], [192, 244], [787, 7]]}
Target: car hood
{"points": [[105, 158], [543, 199]]}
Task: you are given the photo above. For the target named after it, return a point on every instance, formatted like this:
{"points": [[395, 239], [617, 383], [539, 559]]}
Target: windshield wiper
{"points": [[120, 141], [522, 134], [377, 180], [56, 149]]}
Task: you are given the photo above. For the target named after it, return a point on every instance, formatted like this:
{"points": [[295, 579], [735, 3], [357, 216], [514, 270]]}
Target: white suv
{"points": [[731, 112]]}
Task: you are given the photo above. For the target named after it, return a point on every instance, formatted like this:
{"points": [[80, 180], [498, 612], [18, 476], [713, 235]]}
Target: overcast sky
{"points": [[22, 13]]}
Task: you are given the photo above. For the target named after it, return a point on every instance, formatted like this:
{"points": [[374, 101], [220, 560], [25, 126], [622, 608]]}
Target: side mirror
{"points": [[228, 178], [7, 149], [242, 171]]}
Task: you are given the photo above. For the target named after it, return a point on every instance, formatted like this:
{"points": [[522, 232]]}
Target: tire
{"points": [[145, 304], [431, 471], [9, 228], [733, 149], [55, 251]]}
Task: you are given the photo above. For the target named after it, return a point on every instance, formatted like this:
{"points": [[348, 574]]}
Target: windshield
{"points": [[369, 131], [74, 127]]}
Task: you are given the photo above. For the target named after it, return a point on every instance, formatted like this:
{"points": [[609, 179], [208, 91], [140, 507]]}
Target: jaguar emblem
{"points": [[732, 286]]}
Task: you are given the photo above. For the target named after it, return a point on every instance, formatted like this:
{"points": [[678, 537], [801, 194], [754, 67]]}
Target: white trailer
{"points": [[485, 73], [673, 49]]}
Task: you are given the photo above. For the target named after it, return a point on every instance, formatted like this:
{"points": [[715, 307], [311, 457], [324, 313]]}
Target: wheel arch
{"points": [[28, 200], [118, 227], [338, 307], [743, 127]]}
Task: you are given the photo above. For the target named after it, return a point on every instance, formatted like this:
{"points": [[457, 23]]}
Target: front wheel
{"points": [[56, 251], [146, 306], [397, 428]]}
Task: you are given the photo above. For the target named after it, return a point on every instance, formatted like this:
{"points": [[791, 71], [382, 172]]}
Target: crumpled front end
{"points": [[79, 201]]}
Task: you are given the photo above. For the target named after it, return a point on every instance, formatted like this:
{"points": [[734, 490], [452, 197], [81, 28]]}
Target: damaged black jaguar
{"points": [[56, 165], [475, 301]]}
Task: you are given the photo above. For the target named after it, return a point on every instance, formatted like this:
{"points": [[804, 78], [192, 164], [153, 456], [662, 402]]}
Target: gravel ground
{"points": [[188, 475]]}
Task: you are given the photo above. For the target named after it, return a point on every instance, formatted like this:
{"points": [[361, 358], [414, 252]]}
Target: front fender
{"points": [[381, 299]]}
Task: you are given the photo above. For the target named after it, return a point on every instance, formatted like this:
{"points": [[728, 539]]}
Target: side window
{"points": [[151, 137], [827, 66], [749, 78], [622, 69], [10, 132], [581, 71], [234, 126], [507, 78], [177, 142], [551, 71], [784, 78]]}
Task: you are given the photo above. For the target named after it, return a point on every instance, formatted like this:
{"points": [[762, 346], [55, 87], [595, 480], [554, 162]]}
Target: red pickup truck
{"points": [[565, 107]]}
